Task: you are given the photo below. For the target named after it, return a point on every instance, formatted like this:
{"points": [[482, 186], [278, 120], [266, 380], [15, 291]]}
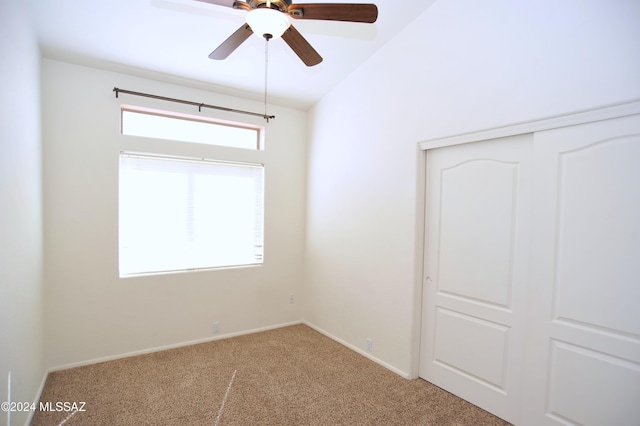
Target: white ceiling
{"points": [[175, 37]]}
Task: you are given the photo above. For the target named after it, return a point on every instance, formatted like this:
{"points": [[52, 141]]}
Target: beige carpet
{"points": [[289, 376]]}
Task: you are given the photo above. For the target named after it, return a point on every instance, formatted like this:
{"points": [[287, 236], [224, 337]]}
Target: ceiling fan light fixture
{"points": [[268, 21]]}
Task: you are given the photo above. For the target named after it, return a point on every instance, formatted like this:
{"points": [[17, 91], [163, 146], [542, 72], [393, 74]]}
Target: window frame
{"points": [[195, 118], [194, 151]]}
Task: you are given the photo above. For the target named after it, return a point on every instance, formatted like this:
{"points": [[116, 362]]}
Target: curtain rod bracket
{"points": [[198, 104]]}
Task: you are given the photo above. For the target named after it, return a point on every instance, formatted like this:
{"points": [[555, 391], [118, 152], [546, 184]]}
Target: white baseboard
{"points": [[360, 351], [167, 347]]}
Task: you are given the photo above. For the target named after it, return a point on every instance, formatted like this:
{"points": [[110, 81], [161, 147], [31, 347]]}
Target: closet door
{"points": [[583, 346], [476, 269]]}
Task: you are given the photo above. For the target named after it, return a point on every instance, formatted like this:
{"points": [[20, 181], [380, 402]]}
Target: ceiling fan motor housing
{"points": [[281, 5]]}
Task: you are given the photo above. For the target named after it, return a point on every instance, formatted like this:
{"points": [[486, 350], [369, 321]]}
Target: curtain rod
{"points": [[198, 104]]}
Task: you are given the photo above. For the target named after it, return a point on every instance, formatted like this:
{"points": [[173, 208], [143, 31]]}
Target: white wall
{"points": [[459, 67], [91, 313], [20, 212]]}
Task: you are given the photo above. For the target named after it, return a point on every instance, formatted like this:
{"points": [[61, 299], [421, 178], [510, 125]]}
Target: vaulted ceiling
{"points": [[175, 37]]}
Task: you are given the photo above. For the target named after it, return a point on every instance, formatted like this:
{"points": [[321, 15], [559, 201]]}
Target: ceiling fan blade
{"points": [[301, 47], [350, 12], [232, 43], [227, 3]]}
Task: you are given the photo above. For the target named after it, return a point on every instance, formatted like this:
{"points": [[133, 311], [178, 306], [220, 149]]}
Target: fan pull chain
{"points": [[266, 71]]}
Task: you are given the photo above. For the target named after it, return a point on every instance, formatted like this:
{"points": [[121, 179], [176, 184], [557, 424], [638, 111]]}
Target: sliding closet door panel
{"points": [[584, 347], [476, 266]]}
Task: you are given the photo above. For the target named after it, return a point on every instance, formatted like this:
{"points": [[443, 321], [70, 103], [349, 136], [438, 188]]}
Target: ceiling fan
{"points": [[270, 19]]}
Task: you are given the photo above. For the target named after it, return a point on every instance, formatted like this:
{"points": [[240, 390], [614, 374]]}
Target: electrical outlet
{"points": [[216, 327], [369, 345], [291, 298]]}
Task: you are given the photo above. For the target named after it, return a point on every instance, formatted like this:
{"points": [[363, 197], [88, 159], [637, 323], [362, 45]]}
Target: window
{"points": [[155, 124], [181, 214]]}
